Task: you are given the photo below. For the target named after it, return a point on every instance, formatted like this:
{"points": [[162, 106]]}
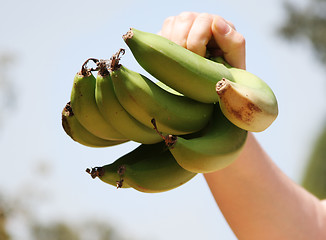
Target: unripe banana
{"points": [[116, 115], [79, 134], [177, 67], [110, 174], [145, 100], [85, 109], [148, 168], [167, 88], [216, 147], [196, 77]]}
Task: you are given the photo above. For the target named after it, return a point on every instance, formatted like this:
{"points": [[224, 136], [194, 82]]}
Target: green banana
{"points": [[145, 100], [217, 146], [115, 114], [149, 168], [177, 67], [167, 88], [83, 103], [79, 134], [197, 77]]}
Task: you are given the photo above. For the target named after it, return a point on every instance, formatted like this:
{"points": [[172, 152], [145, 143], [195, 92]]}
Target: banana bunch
{"points": [[245, 99], [194, 119]]}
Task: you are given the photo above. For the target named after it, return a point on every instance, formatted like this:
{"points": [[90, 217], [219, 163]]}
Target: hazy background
{"points": [[43, 179]]}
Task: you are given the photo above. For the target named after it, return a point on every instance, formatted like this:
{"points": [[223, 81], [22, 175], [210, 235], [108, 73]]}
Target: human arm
{"points": [[256, 198], [260, 202]]}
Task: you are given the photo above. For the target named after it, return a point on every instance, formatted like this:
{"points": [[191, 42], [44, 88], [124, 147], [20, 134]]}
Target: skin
{"points": [[259, 201]]}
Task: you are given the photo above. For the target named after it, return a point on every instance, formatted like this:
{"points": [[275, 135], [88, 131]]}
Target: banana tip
{"points": [[95, 172], [221, 85], [119, 183], [128, 35], [67, 110]]}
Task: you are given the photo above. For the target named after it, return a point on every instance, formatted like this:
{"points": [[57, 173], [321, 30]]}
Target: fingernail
{"points": [[222, 27]]}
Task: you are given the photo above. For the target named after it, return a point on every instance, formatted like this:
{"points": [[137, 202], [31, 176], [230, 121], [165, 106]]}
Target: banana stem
{"points": [[169, 140], [84, 70], [128, 35], [102, 67], [114, 60], [95, 172], [119, 183], [68, 110]]}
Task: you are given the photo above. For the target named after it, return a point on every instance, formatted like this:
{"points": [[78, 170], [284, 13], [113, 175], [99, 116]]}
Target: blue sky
{"points": [[51, 40]]}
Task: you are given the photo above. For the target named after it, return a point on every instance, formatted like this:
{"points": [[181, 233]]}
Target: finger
{"points": [[181, 28], [167, 27], [200, 34], [230, 24], [231, 42]]}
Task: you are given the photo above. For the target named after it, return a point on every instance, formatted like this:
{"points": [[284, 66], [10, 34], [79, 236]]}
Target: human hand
{"points": [[200, 32]]}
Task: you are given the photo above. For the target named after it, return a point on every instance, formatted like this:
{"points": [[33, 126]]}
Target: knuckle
{"points": [[169, 20], [185, 16], [204, 16]]}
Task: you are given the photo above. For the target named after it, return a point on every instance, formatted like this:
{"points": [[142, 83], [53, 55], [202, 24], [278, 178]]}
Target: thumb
{"points": [[230, 42]]}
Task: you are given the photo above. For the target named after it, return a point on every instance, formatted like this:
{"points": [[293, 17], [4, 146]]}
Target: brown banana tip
{"points": [[119, 183], [67, 110], [95, 172], [102, 67], [115, 60], [222, 85], [85, 71], [169, 140], [128, 35]]}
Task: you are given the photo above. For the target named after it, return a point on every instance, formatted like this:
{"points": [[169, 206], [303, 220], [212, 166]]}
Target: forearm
{"points": [[260, 202]]}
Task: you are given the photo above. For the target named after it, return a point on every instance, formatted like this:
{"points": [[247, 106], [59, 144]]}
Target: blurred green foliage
{"points": [[315, 175], [95, 230], [55, 231], [308, 22], [14, 210], [3, 231]]}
